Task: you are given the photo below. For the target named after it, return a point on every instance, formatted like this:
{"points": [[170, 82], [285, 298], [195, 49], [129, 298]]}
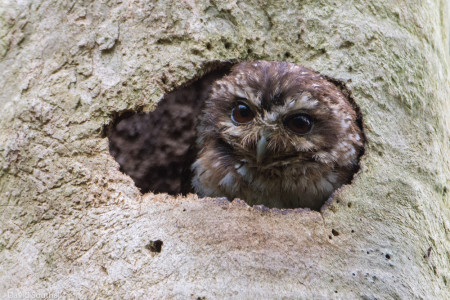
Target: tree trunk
{"points": [[72, 225]]}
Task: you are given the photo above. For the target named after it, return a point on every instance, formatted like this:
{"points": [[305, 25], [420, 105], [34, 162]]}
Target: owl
{"points": [[276, 134]]}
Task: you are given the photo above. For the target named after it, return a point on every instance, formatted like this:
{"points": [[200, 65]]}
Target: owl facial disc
{"points": [[277, 134]]}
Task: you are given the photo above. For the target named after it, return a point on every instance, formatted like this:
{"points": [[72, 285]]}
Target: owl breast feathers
{"points": [[277, 134]]}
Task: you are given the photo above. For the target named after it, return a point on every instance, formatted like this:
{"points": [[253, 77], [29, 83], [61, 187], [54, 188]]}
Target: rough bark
{"points": [[72, 225]]}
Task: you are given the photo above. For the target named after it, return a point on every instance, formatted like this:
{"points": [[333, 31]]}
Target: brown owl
{"points": [[277, 134]]}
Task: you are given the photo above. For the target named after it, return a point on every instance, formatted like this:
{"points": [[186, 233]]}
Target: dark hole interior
{"points": [[156, 149]]}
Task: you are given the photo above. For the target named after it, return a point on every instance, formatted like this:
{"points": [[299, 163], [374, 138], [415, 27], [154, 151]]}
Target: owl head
{"points": [[278, 116]]}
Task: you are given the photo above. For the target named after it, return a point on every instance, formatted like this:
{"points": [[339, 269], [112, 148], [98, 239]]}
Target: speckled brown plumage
{"points": [[264, 161]]}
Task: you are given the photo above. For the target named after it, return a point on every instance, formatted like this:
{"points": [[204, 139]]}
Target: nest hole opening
{"points": [[157, 149]]}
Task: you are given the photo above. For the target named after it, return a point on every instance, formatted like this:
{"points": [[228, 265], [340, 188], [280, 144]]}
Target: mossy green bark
{"points": [[72, 225]]}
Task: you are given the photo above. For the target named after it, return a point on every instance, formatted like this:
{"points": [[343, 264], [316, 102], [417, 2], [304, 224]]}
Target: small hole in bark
{"points": [[388, 256], [428, 253], [157, 149], [155, 246], [208, 46], [164, 79], [196, 51], [334, 232], [349, 205], [227, 45]]}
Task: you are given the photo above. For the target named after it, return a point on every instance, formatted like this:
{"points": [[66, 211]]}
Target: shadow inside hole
{"points": [[157, 149]]}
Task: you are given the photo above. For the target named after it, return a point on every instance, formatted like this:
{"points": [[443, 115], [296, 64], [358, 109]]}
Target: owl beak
{"points": [[261, 149]]}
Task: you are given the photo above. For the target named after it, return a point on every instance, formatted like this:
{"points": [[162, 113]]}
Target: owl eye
{"points": [[300, 123], [242, 114]]}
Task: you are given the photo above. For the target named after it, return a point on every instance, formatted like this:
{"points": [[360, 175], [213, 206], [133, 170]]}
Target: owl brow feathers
{"points": [[277, 83]]}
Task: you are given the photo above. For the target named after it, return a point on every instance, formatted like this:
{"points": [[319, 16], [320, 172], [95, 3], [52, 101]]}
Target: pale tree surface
{"points": [[73, 226]]}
